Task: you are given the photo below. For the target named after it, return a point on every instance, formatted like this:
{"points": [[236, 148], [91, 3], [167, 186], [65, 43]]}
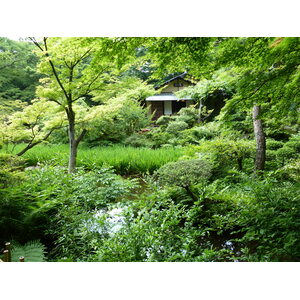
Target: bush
{"points": [[157, 228], [175, 127], [115, 126], [224, 153], [184, 173], [188, 115], [10, 169], [89, 192], [138, 140], [290, 172], [163, 121], [30, 208], [271, 223], [273, 144]]}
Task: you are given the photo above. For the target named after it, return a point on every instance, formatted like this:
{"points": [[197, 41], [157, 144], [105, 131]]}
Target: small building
{"points": [[166, 103]]}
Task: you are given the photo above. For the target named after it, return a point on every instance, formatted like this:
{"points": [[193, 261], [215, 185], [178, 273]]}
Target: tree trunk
{"points": [[72, 142], [260, 139], [200, 111]]}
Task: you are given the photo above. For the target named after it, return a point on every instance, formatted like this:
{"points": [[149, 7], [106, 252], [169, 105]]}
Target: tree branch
{"points": [[45, 51], [31, 144], [81, 136]]}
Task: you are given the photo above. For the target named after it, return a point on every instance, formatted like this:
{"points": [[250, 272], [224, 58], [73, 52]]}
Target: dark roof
{"points": [[181, 76]]}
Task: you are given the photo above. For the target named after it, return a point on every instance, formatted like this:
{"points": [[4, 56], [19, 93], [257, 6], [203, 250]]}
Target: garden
{"points": [[90, 173]]}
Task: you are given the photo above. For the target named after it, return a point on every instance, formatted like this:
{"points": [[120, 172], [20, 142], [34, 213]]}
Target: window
{"points": [[178, 84]]}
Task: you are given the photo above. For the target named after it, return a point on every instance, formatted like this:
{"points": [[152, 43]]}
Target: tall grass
{"points": [[125, 160]]}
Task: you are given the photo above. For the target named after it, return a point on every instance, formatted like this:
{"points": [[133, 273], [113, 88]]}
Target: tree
{"points": [[269, 75], [121, 112], [74, 68], [33, 125], [221, 86], [260, 139], [18, 76], [267, 71]]}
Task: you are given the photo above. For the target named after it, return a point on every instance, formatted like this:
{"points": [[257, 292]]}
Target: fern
{"points": [[33, 251]]}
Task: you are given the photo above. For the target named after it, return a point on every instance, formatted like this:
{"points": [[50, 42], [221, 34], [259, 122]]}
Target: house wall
{"points": [[167, 107], [170, 88], [157, 107], [189, 102]]}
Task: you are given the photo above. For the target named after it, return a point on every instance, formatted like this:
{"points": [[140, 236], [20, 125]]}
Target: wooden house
{"points": [[166, 103]]}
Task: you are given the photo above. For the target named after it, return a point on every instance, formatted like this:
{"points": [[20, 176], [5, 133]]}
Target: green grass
{"points": [[125, 160]]}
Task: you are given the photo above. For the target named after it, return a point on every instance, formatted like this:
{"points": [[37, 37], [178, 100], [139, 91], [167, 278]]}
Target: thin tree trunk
{"points": [[72, 142], [260, 139], [200, 111]]}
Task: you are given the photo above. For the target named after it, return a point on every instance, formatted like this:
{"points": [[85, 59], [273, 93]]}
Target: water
{"points": [[103, 221]]}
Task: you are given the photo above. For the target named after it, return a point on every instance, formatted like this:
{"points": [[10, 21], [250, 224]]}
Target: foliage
{"points": [[290, 172], [271, 223], [18, 76], [116, 120], [270, 70], [73, 68], [32, 251], [32, 125], [90, 192], [31, 208], [280, 153], [184, 173], [138, 140], [211, 93], [206, 206], [223, 152], [177, 126], [125, 160], [123, 86], [187, 115], [10, 169], [159, 229], [176, 54], [244, 223], [164, 120]]}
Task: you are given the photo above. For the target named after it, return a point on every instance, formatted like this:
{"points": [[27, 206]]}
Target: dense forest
{"points": [[89, 172]]}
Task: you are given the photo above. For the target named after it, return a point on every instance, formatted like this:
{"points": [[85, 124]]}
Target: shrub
{"points": [[184, 173], [290, 172], [159, 229], [89, 192], [224, 153], [175, 127], [163, 121], [188, 115], [159, 137], [30, 208], [10, 169], [273, 144], [138, 140], [271, 222]]}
